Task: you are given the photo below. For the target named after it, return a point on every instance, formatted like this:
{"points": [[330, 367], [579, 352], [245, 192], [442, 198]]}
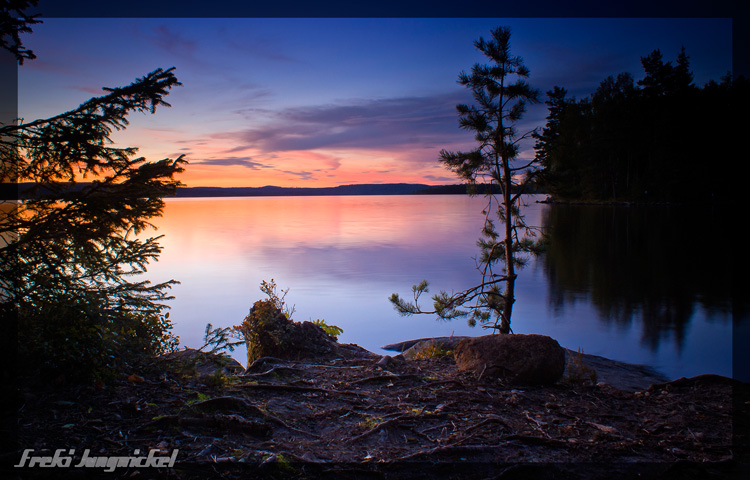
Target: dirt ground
{"points": [[351, 418]]}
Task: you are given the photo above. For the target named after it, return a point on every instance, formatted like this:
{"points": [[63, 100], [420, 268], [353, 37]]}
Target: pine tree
{"points": [[71, 247], [558, 146], [501, 94], [13, 22], [663, 79], [642, 141]]}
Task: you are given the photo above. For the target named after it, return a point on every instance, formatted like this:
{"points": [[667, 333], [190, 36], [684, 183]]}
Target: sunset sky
{"points": [[324, 102]]}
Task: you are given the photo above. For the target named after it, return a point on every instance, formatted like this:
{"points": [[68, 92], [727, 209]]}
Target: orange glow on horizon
{"points": [[219, 162], [228, 177], [318, 169]]}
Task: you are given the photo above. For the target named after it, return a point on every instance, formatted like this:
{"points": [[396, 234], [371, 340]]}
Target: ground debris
{"points": [[352, 418]]}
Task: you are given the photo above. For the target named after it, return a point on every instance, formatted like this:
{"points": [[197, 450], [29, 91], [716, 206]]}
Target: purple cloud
{"points": [[172, 42], [304, 175], [238, 161], [369, 124]]}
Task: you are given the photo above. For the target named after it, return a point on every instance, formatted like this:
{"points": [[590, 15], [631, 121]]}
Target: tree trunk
{"points": [[509, 296], [509, 268]]}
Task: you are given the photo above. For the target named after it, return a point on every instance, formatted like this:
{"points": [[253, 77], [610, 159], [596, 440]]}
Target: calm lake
{"points": [[628, 283]]}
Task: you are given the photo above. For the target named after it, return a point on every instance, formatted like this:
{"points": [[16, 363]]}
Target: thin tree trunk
{"points": [[509, 297]]}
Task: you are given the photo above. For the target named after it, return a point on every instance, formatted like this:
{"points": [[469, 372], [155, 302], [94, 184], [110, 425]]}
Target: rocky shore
{"points": [[355, 414], [621, 375]]}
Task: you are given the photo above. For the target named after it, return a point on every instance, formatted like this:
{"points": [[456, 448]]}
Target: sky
{"points": [[315, 102]]}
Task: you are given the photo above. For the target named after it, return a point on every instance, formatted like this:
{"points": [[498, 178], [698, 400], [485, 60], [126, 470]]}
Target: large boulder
{"points": [[515, 359], [270, 333]]}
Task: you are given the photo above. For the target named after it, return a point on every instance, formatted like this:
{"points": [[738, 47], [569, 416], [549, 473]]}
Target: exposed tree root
{"points": [[347, 418]]}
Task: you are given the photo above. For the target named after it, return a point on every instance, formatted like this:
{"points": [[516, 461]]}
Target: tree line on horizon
{"points": [[28, 190], [660, 139]]}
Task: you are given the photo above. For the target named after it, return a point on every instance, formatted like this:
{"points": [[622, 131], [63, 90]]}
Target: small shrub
{"points": [[282, 464], [369, 422], [200, 397], [87, 342], [331, 330], [218, 339], [216, 380], [269, 288], [577, 373], [434, 351]]}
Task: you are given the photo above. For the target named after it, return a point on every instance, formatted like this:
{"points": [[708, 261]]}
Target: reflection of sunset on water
{"points": [[313, 221], [339, 256], [342, 256]]}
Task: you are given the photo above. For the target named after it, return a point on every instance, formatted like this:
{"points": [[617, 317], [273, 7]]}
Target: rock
{"points": [[516, 359], [387, 360], [269, 333], [433, 347], [621, 375], [403, 346], [352, 351], [310, 457], [204, 364]]}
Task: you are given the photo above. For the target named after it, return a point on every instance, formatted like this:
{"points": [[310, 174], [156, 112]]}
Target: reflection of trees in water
{"points": [[649, 262]]}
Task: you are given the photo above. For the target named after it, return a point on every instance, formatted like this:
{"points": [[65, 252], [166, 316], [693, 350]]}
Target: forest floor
{"points": [[350, 418]]}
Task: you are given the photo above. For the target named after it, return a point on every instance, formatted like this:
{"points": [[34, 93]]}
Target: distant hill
{"points": [[364, 189], [10, 191], [271, 191], [23, 190]]}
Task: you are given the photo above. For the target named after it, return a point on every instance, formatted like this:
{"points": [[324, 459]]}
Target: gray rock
{"points": [[205, 364], [387, 360], [384, 361], [621, 375], [403, 346], [515, 359]]}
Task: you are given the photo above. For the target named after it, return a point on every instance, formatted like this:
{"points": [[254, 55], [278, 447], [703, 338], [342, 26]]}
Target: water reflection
{"points": [[617, 282], [649, 263], [341, 258]]}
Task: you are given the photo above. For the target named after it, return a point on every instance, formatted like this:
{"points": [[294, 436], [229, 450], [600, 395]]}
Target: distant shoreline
{"points": [[356, 189], [22, 191], [274, 191]]}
